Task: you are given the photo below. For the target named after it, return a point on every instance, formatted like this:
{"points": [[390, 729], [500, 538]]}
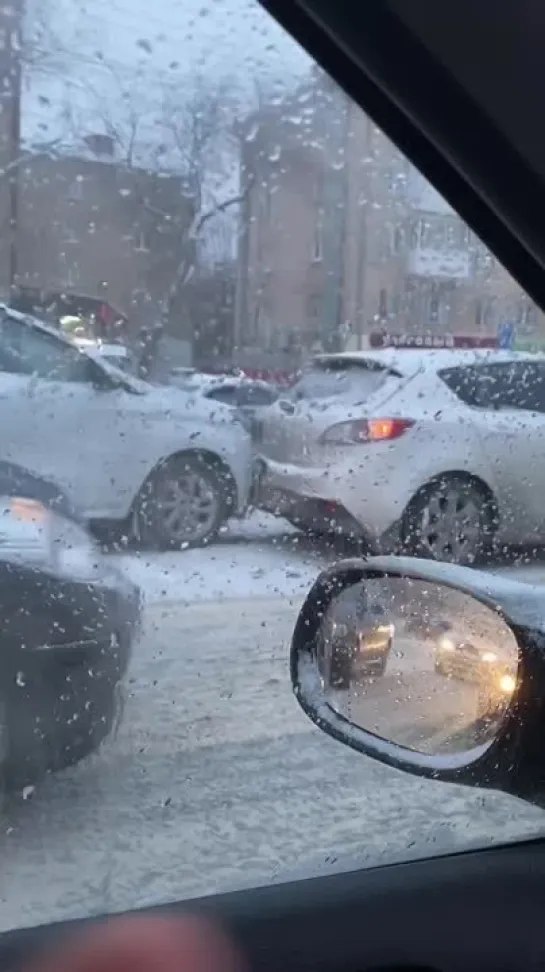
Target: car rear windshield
{"points": [[339, 378]]}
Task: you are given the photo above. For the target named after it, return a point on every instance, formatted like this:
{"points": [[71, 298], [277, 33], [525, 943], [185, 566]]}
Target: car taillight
{"points": [[367, 430]]}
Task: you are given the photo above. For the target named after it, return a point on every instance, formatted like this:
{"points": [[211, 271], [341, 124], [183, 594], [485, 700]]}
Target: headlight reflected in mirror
{"points": [[433, 693]]}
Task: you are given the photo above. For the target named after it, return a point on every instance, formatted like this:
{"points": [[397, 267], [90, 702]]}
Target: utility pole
{"points": [[334, 222], [10, 139]]}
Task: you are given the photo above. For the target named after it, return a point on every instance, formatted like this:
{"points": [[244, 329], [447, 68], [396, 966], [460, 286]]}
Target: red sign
{"points": [[430, 341]]}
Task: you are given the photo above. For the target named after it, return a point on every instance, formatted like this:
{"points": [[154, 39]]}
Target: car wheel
{"points": [[182, 504], [4, 750], [450, 520], [340, 674], [21, 752], [381, 667]]}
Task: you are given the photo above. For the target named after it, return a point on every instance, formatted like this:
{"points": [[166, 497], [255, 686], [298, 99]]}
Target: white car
{"points": [[248, 395], [170, 465], [437, 453]]}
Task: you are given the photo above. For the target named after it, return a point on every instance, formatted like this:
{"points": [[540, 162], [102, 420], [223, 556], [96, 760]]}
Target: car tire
{"points": [[451, 519], [340, 674], [381, 669], [184, 503], [4, 751], [21, 757], [387, 655]]}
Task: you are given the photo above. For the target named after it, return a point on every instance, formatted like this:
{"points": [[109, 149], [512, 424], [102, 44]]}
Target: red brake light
{"points": [[367, 430], [387, 428]]}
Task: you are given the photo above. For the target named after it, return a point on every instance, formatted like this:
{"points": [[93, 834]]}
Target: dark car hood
{"points": [[16, 480]]}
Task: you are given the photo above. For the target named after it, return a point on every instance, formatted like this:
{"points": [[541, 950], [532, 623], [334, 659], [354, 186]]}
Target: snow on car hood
{"points": [[168, 399]]}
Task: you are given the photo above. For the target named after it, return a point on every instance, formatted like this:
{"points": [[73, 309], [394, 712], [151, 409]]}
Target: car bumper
{"points": [[64, 699], [367, 664], [321, 497], [243, 468]]}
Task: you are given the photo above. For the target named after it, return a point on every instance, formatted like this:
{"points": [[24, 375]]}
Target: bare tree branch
{"points": [[221, 207]]}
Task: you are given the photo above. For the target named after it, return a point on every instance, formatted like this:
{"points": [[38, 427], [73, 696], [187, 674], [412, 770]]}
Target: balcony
{"points": [[439, 264], [422, 196]]}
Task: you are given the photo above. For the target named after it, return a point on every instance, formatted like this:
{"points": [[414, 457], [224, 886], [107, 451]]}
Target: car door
{"points": [[58, 420], [509, 411]]}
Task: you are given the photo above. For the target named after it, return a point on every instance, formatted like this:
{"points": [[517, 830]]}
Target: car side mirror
{"points": [[435, 669]]}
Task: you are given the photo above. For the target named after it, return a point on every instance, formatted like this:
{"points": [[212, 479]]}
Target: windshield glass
{"points": [[181, 180], [330, 381], [136, 385]]}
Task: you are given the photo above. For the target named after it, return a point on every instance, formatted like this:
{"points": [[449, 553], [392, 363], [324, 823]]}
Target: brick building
{"points": [[94, 227]]}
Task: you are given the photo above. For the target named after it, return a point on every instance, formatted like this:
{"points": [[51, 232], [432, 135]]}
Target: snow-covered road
{"points": [[216, 780]]}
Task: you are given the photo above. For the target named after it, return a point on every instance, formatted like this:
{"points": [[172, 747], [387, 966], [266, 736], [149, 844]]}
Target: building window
{"points": [[75, 190], [456, 234], [318, 190], [71, 275], [265, 201], [69, 235], [396, 237], [439, 233], [479, 316], [141, 243], [314, 307], [434, 308], [432, 234], [317, 243], [528, 321]]}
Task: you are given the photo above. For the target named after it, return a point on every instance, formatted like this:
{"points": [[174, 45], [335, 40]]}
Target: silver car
{"points": [[166, 466], [437, 453], [248, 396]]}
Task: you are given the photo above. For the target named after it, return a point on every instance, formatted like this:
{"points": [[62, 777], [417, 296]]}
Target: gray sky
{"points": [[111, 61], [146, 47]]}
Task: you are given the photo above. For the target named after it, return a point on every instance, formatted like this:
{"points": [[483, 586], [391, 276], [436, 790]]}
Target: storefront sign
{"points": [[379, 340]]}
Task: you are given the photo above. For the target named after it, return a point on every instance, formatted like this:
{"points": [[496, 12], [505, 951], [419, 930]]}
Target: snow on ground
{"points": [[259, 556], [251, 558], [216, 779]]}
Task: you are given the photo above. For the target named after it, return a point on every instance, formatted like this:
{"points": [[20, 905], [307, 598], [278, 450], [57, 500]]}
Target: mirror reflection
{"points": [[422, 665]]}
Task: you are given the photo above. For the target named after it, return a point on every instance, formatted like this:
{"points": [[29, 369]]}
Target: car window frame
{"points": [[249, 388], [351, 892], [213, 394], [23, 328]]}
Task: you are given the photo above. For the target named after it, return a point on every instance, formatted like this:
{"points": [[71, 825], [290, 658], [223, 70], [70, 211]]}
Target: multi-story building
{"points": [[340, 237]]}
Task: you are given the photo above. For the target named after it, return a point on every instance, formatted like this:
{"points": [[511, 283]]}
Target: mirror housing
{"points": [[513, 760]]}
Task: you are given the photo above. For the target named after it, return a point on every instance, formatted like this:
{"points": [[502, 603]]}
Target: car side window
{"points": [[27, 350], [248, 395], [517, 385], [225, 395], [510, 385]]}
